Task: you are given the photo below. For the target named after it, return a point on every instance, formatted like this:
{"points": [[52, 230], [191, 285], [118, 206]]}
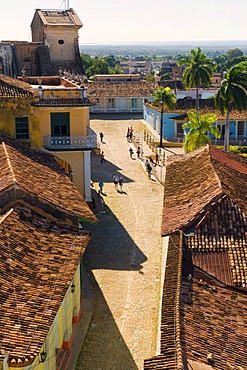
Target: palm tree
{"points": [[165, 98], [198, 72], [199, 126], [232, 95]]}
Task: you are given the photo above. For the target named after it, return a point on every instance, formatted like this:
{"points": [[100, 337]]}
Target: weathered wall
{"points": [[19, 107]]}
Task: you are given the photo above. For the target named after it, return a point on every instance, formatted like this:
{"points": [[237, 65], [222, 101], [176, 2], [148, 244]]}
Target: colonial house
{"points": [[203, 315], [119, 93], [51, 114], [42, 241], [173, 120], [54, 46]]}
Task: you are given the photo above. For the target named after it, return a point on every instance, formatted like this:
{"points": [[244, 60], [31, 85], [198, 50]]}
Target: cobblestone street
{"points": [[124, 256]]}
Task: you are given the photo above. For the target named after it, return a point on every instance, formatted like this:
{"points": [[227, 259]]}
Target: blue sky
{"points": [[118, 21]]}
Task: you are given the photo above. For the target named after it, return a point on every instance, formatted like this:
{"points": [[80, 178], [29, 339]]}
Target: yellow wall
{"points": [[76, 161], [17, 107], [61, 324], [79, 119]]}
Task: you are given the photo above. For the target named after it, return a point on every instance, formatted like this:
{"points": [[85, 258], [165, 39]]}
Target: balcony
{"points": [[58, 143]]}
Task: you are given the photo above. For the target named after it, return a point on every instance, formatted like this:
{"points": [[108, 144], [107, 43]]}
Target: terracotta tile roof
{"points": [[170, 356], [196, 181], [214, 320], [10, 87], [58, 102], [219, 244], [131, 89], [36, 177], [205, 197], [206, 106], [38, 259]]}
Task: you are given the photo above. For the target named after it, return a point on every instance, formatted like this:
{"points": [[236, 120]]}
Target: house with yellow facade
{"points": [[51, 114], [42, 244]]}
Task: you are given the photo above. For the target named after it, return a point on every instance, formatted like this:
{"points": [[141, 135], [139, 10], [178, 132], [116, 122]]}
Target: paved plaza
{"points": [[124, 256]]}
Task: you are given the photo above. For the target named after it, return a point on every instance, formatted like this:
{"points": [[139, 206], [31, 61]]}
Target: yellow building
{"points": [[51, 114]]}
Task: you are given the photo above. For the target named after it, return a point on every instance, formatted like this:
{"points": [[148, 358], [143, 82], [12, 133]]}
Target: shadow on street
{"points": [[104, 347], [111, 247]]}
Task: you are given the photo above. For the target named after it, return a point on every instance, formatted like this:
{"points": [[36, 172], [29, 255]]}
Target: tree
{"points": [[199, 125], [87, 61], [165, 98], [150, 77], [234, 53], [99, 66], [232, 95], [116, 71], [198, 72]]}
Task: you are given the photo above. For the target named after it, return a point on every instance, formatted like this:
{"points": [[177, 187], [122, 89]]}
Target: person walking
{"points": [[115, 181], [101, 184], [138, 152], [131, 152], [147, 164], [128, 134], [157, 159], [101, 136], [149, 170], [102, 156], [120, 182]]}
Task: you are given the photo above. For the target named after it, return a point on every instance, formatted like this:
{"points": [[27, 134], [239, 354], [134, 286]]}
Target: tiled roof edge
{"points": [[171, 355], [180, 365], [9, 162]]}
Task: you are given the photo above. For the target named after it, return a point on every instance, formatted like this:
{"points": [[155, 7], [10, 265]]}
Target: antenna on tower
{"points": [[66, 3]]}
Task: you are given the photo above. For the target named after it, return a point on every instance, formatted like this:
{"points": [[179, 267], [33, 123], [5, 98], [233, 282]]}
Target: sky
{"points": [[135, 21]]}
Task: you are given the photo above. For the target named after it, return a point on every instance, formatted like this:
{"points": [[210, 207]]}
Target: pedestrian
{"points": [[156, 159], [120, 182], [146, 164], [131, 152], [128, 134], [101, 184], [138, 152], [102, 156], [149, 169], [101, 136], [115, 181]]}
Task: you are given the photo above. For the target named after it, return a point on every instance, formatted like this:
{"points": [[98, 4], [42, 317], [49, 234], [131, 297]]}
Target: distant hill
{"points": [[161, 48]]}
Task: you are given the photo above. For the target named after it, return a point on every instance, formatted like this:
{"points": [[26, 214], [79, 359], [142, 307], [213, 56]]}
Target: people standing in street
{"points": [[101, 136], [120, 182], [115, 181], [138, 152], [128, 134], [131, 152], [149, 170], [101, 184], [102, 156], [147, 164], [157, 159]]}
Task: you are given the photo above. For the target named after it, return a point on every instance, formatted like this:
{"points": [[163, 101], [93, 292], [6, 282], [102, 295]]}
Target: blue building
{"points": [[173, 121]]}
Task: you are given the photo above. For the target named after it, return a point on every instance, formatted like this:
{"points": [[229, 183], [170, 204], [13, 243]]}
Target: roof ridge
{"points": [[214, 170], [6, 215], [9, 162]]}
